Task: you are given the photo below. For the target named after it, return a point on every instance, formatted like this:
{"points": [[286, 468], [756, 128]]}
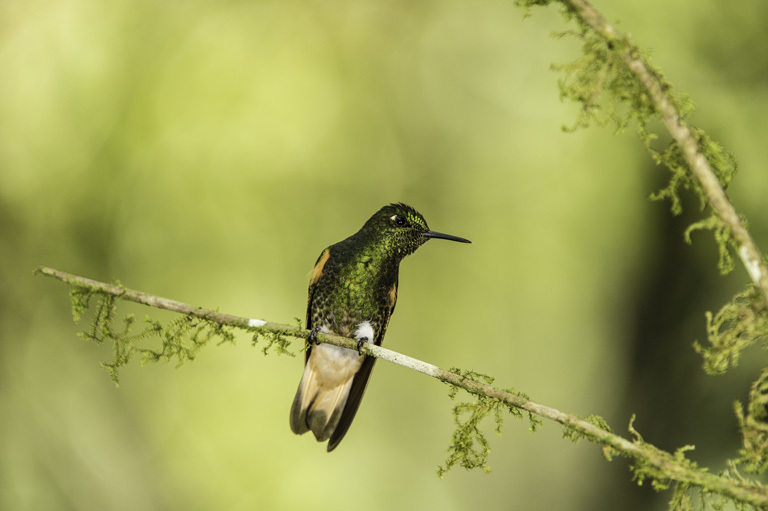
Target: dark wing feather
{"points": [[311, 294], [359, 383], [309, 327]]}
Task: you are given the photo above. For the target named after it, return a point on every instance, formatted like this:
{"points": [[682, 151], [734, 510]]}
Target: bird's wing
{"points": [[314, 278]]}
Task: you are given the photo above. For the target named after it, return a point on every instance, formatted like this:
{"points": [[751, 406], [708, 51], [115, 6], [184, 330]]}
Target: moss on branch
{"points": [[183, 337]]}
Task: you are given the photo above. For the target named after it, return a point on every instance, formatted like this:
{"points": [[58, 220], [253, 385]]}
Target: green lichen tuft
{"points": [[599, 83], [723, 238], [753, 425], [106, 308], [181, 339], [738, 325], [526, 5], [469, 446], [722, 162], [608, 92], [656, 466], [80, 298], [577, 435], [277, 342]]}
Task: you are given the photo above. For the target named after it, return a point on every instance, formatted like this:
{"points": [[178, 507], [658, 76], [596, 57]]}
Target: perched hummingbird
{"points": [[352, 293]]}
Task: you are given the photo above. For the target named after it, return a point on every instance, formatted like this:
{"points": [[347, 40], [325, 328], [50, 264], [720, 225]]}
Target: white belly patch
{"points": [[364, 332], [334, 365]]}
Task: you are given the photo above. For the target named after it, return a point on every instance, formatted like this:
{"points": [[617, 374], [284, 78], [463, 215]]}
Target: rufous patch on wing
{"points": [[317, 271], [393, 295]]}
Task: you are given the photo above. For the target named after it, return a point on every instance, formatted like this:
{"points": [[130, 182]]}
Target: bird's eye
{"points": [[400, 220]]}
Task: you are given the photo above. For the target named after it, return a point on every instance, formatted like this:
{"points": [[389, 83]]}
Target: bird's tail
{"points": [[317, 407]]}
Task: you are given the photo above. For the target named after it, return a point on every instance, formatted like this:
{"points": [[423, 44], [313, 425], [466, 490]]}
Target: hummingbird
{"points": [[352, 293]]}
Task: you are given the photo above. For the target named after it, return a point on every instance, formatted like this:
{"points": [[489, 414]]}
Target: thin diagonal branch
{"points": [[642, 452], [750, 255]]}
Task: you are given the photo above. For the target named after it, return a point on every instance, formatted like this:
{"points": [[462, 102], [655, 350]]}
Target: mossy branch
{"points": [[614, 83], [649, 462], [614, 64]]}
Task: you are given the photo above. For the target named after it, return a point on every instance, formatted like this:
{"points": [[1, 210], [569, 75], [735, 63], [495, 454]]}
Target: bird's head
{"points": [[400, 230]]}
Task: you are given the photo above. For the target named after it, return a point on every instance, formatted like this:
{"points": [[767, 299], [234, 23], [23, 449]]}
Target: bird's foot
{"points": [[363, 334], [360, 343], [312, 337]]}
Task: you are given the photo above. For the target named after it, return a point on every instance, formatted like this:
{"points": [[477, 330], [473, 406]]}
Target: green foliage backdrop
{"points": [[208, 151]]}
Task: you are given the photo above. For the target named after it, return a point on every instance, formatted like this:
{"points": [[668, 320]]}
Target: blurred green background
{"points": [[208, 151]]}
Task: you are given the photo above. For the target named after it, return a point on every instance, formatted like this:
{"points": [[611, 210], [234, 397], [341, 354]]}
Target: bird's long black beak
{"points": [[433, 234]]}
